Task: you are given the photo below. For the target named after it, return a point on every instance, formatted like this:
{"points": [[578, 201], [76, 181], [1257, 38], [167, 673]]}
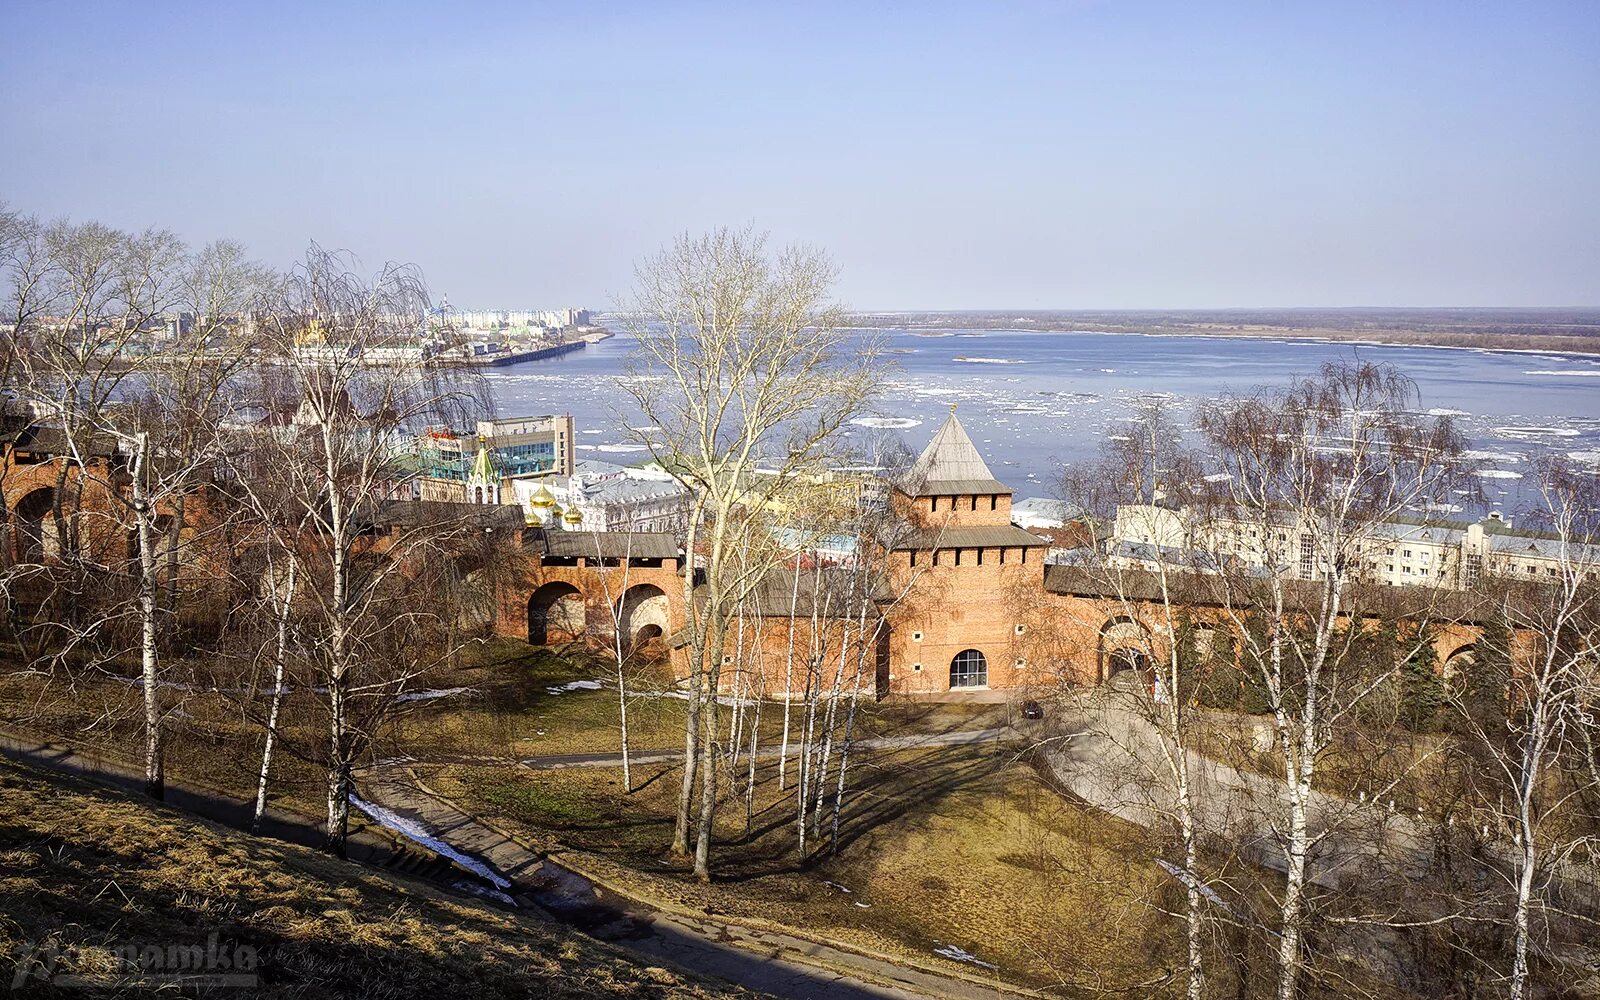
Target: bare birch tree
{"points": [[1146, 472], [1528, 708], [1307, 477], [743, 367], [335, 355]]}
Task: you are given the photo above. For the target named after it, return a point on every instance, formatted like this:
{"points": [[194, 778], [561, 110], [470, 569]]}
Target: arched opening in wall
{"points": [[1458, 666], [1128, 667], [969, 669], [1125, 652], [642, 615], [555, 614], [36, 530]]}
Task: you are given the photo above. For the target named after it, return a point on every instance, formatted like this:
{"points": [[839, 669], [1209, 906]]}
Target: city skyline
{"points": [[1087, 156]]}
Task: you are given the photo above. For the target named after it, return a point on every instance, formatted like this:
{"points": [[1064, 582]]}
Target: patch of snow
{"points": [[1187, 878], [484, 891], [1580, 373], [1445, 411], [887, 423], [419, 833], [1499, 474], [574, 686], [432, 693], [963, 359], [960, 955]]}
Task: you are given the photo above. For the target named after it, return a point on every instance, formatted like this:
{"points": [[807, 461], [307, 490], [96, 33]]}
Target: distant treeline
{"points": [[1574, 330]]}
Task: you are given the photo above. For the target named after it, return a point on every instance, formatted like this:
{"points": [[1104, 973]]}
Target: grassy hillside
{"points": [[84, 869]]}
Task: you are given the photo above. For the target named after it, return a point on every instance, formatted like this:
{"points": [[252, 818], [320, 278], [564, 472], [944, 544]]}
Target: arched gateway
{"points": [[642, 614], [555, 613]]}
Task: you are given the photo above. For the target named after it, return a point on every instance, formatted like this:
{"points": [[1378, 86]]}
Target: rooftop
{"points": [[950, 466]]}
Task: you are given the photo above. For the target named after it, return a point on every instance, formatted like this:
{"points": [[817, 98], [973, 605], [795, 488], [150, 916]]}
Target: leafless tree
{"points": [[1527, 705], [1307, 477], [1147, 471], [744, 369], [340, 400]]}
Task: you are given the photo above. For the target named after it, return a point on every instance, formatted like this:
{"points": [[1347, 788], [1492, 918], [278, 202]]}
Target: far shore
{"points": [[1503, 342]]}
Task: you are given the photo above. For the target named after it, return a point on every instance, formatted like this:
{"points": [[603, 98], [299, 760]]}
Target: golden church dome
{"points": [[543, 499]]}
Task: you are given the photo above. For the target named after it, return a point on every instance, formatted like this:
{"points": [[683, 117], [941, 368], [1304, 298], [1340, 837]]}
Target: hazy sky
{"points": [[976, 155]]}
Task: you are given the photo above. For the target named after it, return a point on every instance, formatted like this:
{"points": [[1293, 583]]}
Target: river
{"points": [[1035, 401]]}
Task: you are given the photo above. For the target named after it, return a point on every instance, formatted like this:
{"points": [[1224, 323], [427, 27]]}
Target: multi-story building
{"points": [[1438, 553], [605, 497], [452, 464]]}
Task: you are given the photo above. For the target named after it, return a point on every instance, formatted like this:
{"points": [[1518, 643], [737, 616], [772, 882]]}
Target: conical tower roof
{"points": [[482, 465], [950, 466]]}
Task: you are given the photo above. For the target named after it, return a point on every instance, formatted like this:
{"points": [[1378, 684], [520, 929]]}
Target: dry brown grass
{"points": [[87, 867], [949, 847]]}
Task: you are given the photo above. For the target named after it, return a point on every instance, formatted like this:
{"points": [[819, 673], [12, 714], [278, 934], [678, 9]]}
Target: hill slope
{"points": [[85, 871]]}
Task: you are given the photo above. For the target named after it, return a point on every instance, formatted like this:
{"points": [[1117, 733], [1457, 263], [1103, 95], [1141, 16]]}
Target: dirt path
{"points": [[761, 959], [964, 737]]}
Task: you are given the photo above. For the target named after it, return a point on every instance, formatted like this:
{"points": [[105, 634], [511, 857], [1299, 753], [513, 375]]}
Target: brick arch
{"points": [[35, 530], [555, 612], [641, 607], [1462, 657], [1124, 644]]}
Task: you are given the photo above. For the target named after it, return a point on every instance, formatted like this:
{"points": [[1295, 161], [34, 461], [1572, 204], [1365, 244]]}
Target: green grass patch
{"points": [[532, 802]]}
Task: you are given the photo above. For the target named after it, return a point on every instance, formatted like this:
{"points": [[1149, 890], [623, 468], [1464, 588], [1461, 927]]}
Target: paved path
{"points": [[1117, 764], [763, 960], [965, 737]]}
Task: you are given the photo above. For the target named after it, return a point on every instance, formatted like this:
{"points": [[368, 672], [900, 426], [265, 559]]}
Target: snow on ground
{"points": [[960, 955], [963, 359], [1574, 372], [1499, 474], [485, 892], [887, 423], [1445, 411], [1187, 878], [419, 833], [432, 693], [574, 686]]}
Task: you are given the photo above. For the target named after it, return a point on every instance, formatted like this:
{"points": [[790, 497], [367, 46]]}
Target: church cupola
{"points": [[483, 482]]}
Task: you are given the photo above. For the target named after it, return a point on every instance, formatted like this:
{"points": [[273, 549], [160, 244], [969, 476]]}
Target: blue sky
{"points": [[1034, 155]]}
